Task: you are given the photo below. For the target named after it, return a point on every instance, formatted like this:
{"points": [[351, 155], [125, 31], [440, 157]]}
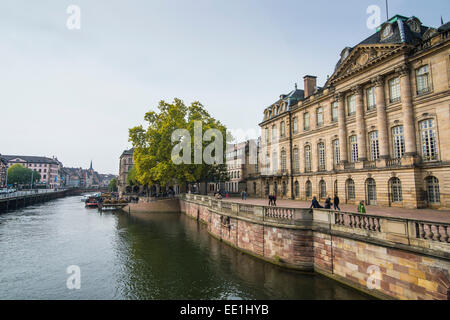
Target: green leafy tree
{"points": [[113, 185], [131, 178], [153, 146], [18, 174]]}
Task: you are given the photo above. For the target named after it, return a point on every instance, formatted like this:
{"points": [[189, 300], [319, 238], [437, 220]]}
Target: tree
{"points": [[18, 174], [131, 177], [113, 185], [153, 146]]}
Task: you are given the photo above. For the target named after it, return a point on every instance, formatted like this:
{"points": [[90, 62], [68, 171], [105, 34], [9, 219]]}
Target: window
{"points": [[296, 160], [282, 129], [428, 136], [396, 190], [422, 78], [307, 159], [267, 189], [297, 189], [350, 189], [433, 194], [334, 111], [394, 89], [283, 161], [374, 146], [254, 187], [308, 189], [323, 189], [267, 135], [336, 152], [306, 121], [354, 149], [336, 189], [371, 191], [275, 161], [321, 151], [295, 125], [274, 133], [284, 188], [399, 142], [351, 104], [319, 117], [371, 99]]}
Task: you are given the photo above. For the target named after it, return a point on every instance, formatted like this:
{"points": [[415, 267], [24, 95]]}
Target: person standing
{"points": [[270, 199], [328, 203], [275, 199], [245, 195], [336, 202], [361, 207]]}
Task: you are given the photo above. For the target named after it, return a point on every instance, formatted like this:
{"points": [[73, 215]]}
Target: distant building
{"points": [[125, 165], [3, 168], [241, 164], [48, 168]]}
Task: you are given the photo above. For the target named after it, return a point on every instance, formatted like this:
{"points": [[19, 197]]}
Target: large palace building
{"points": [[378, 131]]}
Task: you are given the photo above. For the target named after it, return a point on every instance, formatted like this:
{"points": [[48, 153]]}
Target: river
{"points": [[142, 256]]}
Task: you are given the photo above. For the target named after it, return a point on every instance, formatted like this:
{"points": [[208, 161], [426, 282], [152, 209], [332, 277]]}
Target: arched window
{"points": [[275, 161], [296, 160], [396, 190], [371, 191], [374, 146], [308, 189], [323, 189], [274, 134], [429, 142], [282, 129], [321, 156], [283, 161], [254, 187], [267, 189], [284, 188], [336, 152], [433, 193], [398, 142], [336, 190], [308, 159], [354, 148], [297, 189], [350, 189], [275, 188]]}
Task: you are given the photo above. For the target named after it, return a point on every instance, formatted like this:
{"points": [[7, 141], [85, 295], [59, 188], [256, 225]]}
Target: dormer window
{"points": [[414, 24], [386, 32]]}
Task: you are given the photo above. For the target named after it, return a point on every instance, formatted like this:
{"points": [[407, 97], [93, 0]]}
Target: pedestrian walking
{"points": [[336, 202], [361, 207], [275, 199], [245, 195], [270, 199]]}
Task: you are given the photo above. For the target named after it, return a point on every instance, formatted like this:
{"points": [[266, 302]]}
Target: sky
{"points": [[74, 93]]}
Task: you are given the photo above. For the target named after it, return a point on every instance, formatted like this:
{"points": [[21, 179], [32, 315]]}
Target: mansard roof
{"points": [[32, 159]]}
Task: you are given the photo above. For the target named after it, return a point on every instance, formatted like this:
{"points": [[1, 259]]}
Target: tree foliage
{"points": [[18, 174], [113, 185], [153, 146], [131, 177]]}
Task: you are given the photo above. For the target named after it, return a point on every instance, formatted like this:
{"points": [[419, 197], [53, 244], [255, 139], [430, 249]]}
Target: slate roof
{"points": [[3, 160], [444, 27], [32, 159], [128, 152]]}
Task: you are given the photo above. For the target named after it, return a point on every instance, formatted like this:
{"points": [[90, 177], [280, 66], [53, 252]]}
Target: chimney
{"points": [[310, 85]]}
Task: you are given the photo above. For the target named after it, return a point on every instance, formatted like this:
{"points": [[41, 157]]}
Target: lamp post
{"points": [[31, 183]]}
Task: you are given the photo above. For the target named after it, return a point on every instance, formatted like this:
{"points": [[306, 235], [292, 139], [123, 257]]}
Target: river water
{"points": [[142, 256]]}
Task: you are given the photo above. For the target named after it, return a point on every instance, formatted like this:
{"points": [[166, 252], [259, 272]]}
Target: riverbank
{"points": [[383, 256]]}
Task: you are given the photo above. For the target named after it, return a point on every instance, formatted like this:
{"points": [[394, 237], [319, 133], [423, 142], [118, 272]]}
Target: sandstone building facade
{"points": [[377, 131]]}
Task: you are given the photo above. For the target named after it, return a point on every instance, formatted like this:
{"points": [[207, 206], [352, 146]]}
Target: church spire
{"points": [[91, 166]]}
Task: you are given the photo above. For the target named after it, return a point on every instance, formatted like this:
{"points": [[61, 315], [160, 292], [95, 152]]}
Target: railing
{"points": [[358, 221], [18, 194], [370, 164], [394, 162], [279, 213], [245, 208], [349, 165], [432, 231]]}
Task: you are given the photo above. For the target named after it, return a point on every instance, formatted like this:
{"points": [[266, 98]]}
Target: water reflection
{"points": [[142, 256]]}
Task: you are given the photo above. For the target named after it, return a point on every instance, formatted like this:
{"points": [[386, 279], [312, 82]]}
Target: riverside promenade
{"points": [[417, 214]]}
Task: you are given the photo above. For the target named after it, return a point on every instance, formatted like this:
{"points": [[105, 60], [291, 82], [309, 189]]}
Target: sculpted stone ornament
{"points": [[403, 70], [338, 96], [378, 81], [357, 90]]}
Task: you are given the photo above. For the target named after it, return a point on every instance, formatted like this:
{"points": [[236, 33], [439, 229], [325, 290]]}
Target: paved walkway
{"points": [[418, 214]]}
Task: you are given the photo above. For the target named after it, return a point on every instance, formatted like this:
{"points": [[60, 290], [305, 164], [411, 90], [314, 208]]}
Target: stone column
{"points": [[407, 110], [383, 136], [360, 123], [342, 128]]}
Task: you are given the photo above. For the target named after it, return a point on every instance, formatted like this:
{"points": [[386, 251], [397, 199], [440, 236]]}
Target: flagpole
{"points": [[387, 9]]}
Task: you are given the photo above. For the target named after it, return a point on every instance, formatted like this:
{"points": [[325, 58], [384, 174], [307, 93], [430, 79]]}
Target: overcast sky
{"points": [[74, 93]]}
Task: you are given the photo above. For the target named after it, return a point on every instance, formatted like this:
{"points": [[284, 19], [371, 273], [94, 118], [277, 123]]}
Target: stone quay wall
{"points": [[385, 257]]}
